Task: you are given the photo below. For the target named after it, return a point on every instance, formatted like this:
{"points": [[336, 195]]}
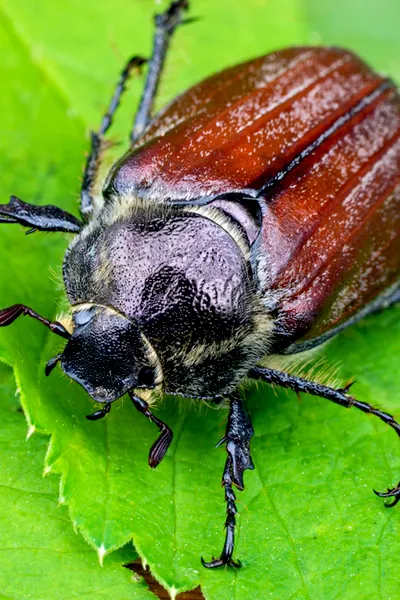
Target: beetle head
{"points": [[106, 353]]}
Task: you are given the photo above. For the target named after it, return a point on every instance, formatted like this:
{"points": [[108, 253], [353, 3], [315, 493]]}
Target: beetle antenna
{"points": [[8, 316], [51, 364], [162, 443], [99, 414]]}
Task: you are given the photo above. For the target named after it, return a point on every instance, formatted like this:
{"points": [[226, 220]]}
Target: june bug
{"points": [[256, 215]]}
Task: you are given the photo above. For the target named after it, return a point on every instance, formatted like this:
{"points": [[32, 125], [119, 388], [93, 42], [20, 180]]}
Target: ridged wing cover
{"points": [[236, 129], [331, 230]]}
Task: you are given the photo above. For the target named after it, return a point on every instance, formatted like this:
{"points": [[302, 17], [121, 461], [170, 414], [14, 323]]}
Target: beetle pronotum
{"points": [[256, 215]]}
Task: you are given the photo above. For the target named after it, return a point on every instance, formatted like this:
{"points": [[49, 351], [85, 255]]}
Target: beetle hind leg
{"points": [[165, 23], [239, 432], [338, 396]]}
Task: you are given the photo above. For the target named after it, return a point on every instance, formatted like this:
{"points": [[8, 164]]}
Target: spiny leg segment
{"points": [[339, 396], [239, 432], [165, 23]]}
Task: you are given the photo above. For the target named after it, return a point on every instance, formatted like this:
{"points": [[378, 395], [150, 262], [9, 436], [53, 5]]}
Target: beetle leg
{"points": [[339, 396], [166, 24], [8, 316], [161, 445], [391, 493], [239, 432], [42, 218], [98, 143]]}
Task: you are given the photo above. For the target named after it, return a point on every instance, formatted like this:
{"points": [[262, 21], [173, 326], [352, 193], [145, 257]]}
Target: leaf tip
{"points": [[46, 470], [101, 552], [30, 432], [172, 591]]}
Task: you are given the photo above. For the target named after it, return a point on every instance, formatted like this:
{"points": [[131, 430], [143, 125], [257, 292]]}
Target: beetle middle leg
{"points": [[239, 432], [339, 396], [162, 443], [98, 143]]}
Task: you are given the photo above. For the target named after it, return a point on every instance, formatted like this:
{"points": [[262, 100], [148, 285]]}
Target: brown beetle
{"points": [[256, 215]]}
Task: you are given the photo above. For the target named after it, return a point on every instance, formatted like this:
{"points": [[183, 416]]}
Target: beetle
{"points": [[256, 215]]}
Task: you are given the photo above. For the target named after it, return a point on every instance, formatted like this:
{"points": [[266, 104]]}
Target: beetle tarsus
{"points": [[220, 562], [339, 396], [239, 432], [391, 493], [99, 414], [161, 445]]}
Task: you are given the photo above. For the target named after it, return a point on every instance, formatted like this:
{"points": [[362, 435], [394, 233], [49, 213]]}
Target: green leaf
{"points": [[40, 554], [309, 525]]}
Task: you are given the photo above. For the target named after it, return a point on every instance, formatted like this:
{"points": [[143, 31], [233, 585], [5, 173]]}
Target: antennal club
{"points": [[8, 316], [51, 364]]}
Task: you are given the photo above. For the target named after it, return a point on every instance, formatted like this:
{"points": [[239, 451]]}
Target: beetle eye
{"points": [[146, 377], [83, 316]]}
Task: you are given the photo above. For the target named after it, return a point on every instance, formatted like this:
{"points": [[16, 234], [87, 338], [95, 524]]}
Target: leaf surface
{"points": [[40, 554]]}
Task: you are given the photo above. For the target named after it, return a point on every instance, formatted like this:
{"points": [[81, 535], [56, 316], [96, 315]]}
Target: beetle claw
{"points": [[391, 493], [220, 562]]}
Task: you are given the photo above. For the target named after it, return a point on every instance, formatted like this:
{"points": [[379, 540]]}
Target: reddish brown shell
{"points": [[318, 132], [331, 229]]}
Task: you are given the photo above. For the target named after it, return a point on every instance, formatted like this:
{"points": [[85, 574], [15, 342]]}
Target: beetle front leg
{"points": [[239, 432], [339, 396], [38, 218]]}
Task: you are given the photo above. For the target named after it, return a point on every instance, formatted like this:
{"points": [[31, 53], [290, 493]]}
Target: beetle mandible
{"points": [[256, 215]]}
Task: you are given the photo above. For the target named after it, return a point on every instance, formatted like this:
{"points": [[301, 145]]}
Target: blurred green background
{"points": [[309, 525]]}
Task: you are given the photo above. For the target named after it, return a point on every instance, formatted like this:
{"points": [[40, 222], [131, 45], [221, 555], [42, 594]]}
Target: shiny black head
{"points": [[106, 354]]}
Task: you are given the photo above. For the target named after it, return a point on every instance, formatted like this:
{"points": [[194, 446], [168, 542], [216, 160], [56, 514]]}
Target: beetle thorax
{"points": [[183, 278]]}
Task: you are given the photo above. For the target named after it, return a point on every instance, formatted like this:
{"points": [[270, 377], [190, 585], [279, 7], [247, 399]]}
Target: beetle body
{"points": [[297, 167], [257, 214]]}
